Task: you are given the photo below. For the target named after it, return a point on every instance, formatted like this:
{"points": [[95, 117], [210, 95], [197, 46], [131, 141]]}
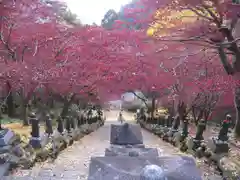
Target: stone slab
{"points": [[123, 167], [5, 136], [123, 151], [126, 134], [128, 146], [4, 168]]}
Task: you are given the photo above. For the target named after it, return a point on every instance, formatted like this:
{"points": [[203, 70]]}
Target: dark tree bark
{"points": [[25, 113], [153, 107], [66, 105], [10, 101]]}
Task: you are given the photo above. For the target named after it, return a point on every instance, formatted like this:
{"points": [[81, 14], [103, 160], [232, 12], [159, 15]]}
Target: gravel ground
{"points": [[73, 163]]}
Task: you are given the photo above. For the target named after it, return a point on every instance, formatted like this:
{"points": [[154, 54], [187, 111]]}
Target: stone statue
{"points": [[176, 123], [223, 133], [200, 129]]}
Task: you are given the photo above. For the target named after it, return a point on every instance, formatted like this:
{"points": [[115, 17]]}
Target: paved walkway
{"points": [[73, 163]]}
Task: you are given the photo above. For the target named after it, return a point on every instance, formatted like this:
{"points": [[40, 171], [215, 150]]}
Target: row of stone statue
{"points": [[66, 124], [176, 131]]}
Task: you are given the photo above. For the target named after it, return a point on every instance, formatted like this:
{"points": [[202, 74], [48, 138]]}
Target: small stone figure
{"points": [[169, 121], [79, 122], [99, 112], [201, 127], [60, 126], [219, 144], [49, 128], [176, 123], [223, 133], [89, 114]]}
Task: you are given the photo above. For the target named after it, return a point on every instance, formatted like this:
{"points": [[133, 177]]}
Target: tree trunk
{"points": [[237, 107], [10, 102], [66, 105], [236, 67], [153, 107], [25, 114]]}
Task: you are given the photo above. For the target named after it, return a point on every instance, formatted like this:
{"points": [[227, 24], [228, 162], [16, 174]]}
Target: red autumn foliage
{"points": [[44, 52]]}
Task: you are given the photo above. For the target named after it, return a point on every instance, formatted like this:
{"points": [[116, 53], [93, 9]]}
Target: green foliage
{"points": [[109, 18]]}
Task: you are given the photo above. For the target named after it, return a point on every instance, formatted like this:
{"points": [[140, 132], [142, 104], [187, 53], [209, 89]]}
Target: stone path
{"points": [[72, 163]]}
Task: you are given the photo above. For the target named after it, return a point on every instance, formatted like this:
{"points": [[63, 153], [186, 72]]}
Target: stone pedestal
{"points": [[134, 168], [169, 135], [35, 142], [193, 143], [124, 151], [218, 146]]}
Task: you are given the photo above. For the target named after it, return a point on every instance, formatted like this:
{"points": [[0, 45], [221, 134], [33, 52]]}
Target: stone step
{"points": [[123, 167], [4, 169], [123, 151]]}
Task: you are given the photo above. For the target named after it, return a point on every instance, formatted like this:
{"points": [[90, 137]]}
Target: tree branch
{"points": [[139, 97], [227, 66]]}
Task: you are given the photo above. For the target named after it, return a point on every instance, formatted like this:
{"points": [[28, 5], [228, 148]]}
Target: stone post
{"points": [[79, 123], [184, 133], [35, 140], [169, 121], [164, 121], [176, 123], [73, 122], [60, 126], [68, 124], [48, 128], [200, 129], [83, 120]]}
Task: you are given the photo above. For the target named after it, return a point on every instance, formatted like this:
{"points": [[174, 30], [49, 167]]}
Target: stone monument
{"points": [[126, 134], [128, 159]]}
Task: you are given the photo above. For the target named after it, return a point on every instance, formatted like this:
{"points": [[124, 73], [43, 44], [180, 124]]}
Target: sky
{"points": [[92, 11]]}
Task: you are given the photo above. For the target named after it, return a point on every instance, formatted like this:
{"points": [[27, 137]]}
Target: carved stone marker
{"points": [[35, 140], [139, 168], [126, 134], [152, 172], [5, 136]]}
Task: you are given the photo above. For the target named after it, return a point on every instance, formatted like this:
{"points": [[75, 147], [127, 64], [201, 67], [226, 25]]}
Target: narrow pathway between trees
{"points": [[72, 163]]}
